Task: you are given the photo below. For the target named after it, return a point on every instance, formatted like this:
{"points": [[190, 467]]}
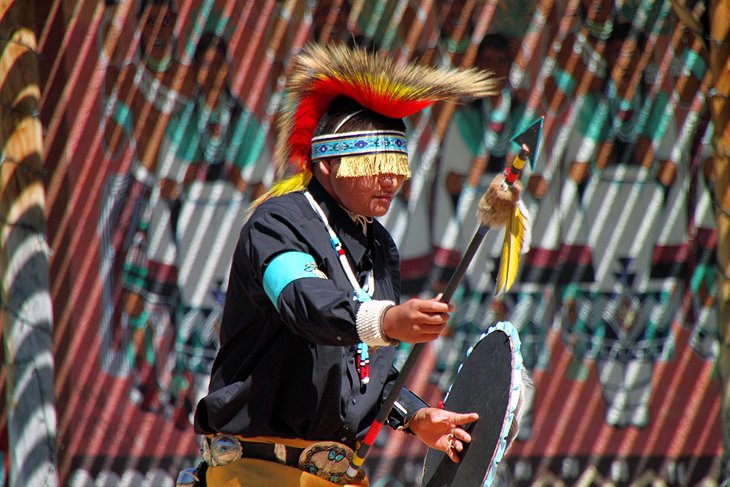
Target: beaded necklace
{"points": [[159, 66], [214, 145], [164, 98], [362, 359]]}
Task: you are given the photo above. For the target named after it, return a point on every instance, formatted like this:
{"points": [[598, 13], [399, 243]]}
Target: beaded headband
{"points": [[365, 153]]}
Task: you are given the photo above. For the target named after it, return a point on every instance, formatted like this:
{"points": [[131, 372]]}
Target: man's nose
{"points": [[388, 180]]}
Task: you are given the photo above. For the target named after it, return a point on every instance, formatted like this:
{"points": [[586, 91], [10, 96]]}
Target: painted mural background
{"points": [[158, 121]]}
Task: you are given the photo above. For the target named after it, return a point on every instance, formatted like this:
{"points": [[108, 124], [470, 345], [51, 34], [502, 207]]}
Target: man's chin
{"points": [[379, 212]]}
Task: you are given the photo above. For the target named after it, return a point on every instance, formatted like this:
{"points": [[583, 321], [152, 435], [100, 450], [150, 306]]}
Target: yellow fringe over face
{"points": [[350, 167], [374, 164]]}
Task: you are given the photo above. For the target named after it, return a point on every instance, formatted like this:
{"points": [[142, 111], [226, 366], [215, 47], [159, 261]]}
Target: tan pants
{"points": [[251, 472]]}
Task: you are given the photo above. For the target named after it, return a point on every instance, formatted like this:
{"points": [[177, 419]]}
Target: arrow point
{"points": [[531, 137]]}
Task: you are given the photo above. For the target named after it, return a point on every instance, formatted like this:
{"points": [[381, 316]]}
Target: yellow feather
{"points": [[294, 183], [514, 243]]}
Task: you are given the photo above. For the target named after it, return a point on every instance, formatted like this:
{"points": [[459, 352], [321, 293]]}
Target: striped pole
{"points": [[27, 316], [719, 55], [456, 278]]}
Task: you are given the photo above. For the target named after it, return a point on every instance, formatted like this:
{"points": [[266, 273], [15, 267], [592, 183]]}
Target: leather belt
{"points": [[277, 452]]}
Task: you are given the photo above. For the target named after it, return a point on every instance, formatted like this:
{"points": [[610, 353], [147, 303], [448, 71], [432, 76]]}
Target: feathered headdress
{"points": [[322, 73]]}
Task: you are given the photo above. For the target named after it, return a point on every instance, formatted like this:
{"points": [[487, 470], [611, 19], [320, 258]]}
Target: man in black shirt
{"points": [[311, 313]]}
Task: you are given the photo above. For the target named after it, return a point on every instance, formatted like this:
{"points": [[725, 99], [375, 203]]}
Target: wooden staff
{"points": [[663, 73], [445, 113], [391, 28], [409, 46], [636, 80], [25, 293], [495, 207], [276, 43], [719, 55]]}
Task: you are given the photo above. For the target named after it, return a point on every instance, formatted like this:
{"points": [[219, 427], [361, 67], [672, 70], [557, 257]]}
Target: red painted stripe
{"points": [[663, 254], [373, 433], [448, 258], [707, 237], [415, 267]]}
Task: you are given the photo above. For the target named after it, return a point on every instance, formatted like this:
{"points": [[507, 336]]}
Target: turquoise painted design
{"points": [[240, 142], [470, 123], [565, 81], [122, 114], [517, 385], [351, 144], [592, 118], [694, 64], [286, 268]]}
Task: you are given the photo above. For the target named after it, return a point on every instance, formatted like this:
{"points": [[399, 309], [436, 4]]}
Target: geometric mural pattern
{"points": [[158, 123]]}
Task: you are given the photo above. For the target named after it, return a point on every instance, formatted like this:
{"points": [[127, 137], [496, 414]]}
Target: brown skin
{"points": [[416, 320], [434, 427], [367, 195]]}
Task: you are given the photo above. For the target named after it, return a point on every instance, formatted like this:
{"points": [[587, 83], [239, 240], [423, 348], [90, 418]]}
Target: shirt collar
{"points": [[351, 235]]}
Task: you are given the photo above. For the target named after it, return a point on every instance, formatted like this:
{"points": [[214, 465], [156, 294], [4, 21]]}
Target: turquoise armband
{"points": [[285, 268]]}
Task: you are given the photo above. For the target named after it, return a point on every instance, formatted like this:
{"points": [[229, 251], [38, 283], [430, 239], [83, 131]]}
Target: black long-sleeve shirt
{"points": [[291, 372]]}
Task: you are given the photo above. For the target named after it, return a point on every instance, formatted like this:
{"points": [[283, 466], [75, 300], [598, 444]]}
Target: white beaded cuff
{"points": [[369, 322]]}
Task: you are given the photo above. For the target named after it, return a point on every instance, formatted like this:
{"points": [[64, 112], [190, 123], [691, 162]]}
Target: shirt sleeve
{"points": [[295, 275]]}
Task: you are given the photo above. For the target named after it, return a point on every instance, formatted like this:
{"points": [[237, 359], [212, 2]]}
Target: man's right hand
{"points": [[416, 320]]}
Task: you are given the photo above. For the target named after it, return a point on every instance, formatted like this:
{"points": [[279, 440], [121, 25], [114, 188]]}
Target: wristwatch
{"points": [[403, 410]]}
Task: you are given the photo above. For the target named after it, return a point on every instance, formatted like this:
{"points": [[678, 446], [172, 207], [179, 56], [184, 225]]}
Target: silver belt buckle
{"points": [[187, 478], [328, 460], [222, 450]]}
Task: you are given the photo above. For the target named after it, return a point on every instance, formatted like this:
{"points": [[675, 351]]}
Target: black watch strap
{"points": [[403, 410]]}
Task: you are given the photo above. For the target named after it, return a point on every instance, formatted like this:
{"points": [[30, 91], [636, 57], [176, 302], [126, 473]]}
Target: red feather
{"points": [[325, 72], [313, 105]]}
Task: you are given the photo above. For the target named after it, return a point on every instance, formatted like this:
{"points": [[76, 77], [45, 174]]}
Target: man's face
{"points": [[212, 71], [452, 23], [157, 29], [622, 59], [498, 61], [598, 11], [364, 195]]}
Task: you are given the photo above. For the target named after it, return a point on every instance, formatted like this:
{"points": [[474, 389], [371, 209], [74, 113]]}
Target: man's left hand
{"points": [[440, 429]]}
